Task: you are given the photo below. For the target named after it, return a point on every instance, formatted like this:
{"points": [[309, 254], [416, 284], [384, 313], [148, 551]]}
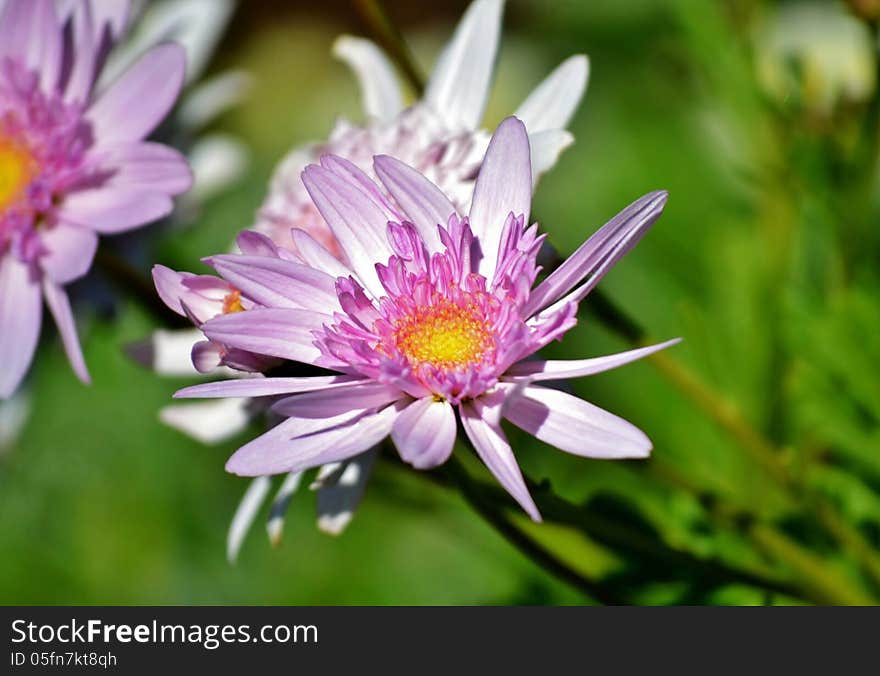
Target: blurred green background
{"points": [[760, 118]]}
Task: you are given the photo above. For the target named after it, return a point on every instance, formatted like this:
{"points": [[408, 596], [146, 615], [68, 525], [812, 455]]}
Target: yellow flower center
{"points": [[17, 168], [445, 335]]}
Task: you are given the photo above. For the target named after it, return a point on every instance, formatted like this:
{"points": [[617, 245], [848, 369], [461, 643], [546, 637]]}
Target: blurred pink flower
{"points": [[73, 163]]}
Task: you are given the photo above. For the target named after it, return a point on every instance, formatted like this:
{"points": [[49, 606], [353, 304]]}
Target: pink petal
{"points": [[147, 167], [326, 403], [265, 387], [278, 451], [21, 311], [70, 251], [599, 253], [557, 370], [31, 34], [59, 306], [574, 425], [480, 421], [424, 433], [357, 222], [170, 287], [316, 256], [504, 186], [424, 203], [135, 104], [275, 332], [206, 356], [83, 53], [253, 243], [110, 210], [349, 172], [278, 283]]}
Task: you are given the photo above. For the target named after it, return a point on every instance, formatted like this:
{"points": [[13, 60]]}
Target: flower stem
{"points": [[490, 501], [386, 33], [488, 509]]}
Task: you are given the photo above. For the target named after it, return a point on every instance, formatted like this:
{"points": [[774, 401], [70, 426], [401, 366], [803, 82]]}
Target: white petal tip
{"points": [[334, 524], [275, 531]]}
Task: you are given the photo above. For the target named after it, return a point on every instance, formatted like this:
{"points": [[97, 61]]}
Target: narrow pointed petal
{"points": [[574, 425], [265, 387], [316, 256], [599, 253], [332, 402], [559, 369], [503, 186], [274, 332], [554, 101], [423, 202], [210, 422], [356, 220], [278, 283], [21, 310], [546, 147], [480, 422], [280, 503], [339, 497], [272, 454], [424, 433], [381, 93], [459, 86], [124, 112], [245, 514], [59, 306]]}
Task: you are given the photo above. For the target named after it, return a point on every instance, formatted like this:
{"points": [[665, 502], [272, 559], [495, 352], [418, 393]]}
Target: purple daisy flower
{"points": [[428, 319], [73, 163]]}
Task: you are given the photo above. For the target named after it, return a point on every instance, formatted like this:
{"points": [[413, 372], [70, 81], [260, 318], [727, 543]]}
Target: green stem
{"points": [[486, 498], [487, 508], [386, 33]]}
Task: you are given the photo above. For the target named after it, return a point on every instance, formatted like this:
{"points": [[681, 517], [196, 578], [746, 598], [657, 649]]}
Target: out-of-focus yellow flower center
{"points": [[445, 335], [232, 303], [17, 168]]}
